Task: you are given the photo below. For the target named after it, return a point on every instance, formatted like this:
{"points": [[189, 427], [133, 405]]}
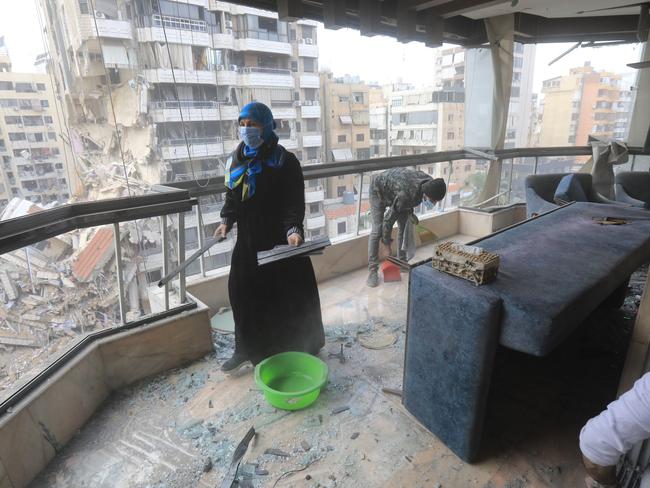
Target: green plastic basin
{"points": [[291, 380]]}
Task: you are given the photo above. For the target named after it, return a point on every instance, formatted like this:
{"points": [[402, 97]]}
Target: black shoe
{"points": [[234, 364]]}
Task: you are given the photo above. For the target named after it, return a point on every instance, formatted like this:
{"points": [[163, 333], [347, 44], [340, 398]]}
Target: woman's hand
{"points": [[294, 239], [221, 232]]}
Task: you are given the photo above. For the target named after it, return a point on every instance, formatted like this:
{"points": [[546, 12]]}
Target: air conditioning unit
{"points": [[99, 15], [228, 24], [309, 41], [296, 103]]}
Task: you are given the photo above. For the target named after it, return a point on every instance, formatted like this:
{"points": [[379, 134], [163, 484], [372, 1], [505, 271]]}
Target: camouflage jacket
{"points": [[400, 189]]}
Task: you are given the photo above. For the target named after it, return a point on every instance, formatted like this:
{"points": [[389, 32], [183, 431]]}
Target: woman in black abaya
{"points": [[276, 307]]}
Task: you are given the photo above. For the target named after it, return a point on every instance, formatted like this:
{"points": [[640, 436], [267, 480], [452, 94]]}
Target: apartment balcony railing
{"points": [[179, 23], [262, 41], [192, 110], [176, 30], [90, 28], [203, 174]]}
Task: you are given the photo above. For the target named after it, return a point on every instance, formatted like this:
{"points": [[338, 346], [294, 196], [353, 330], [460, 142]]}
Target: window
{"points": [[450, 136], [312, 153], [357, 97], [12, 120], [340, 191], [341, 227], [83, 6], [298, 128], [309, 65], [40, 86], [292, 34], [343, 98], [51, 136], [360, 137], [341, 177], [572, 140], [314, 208], [48, 119], [514, 92], [294, 66], [8, 103], [17, 136], [24, 88], [312, 125], [6, 85], [45, 103], [34, 120], [450, 118], [341, 138], [468, 168], [363, 153], [35, 137]]}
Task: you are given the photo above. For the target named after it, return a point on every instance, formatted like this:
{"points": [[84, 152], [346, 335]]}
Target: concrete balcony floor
{"points": [[160, 432]]}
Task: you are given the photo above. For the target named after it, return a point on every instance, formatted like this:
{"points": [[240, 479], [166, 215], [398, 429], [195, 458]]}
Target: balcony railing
{"points": [[191, 140], [185, 104], [268, 71], [179, 23]]}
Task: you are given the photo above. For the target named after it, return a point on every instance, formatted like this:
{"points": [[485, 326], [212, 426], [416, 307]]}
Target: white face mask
{"points": [[251, 136]]}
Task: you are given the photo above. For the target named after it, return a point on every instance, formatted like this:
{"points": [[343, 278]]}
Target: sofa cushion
{"points": [[569, 190]]}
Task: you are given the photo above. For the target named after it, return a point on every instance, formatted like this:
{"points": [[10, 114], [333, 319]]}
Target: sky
{"points": [[377, 59]]}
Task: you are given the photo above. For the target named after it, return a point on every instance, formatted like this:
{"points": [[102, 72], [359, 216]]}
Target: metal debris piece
{"points": [[354, 436], [237, 456], [392, 391], [277, 452], [286, 251], [339, 355], [337, 410]]}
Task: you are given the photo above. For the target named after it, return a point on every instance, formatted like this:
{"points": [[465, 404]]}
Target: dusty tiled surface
{"points": [[160, 433]]}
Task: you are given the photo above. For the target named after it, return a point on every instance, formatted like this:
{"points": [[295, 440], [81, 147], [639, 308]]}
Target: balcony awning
{"points": [[342, 154], [345, 119], [114, 54]]}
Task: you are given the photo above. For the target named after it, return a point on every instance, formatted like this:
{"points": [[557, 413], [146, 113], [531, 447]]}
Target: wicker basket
{"points": [[468, 262]]}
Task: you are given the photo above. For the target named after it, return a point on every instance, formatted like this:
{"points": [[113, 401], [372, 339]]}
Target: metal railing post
{"points": [[181, 256], [119, 270], [199, 228], [359, 203], [512, 168], [536, 163], [448, 195], [165, 252]]}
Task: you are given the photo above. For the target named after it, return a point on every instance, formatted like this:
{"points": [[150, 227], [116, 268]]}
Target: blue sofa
{"points": [[555, 270], [633, 188]]}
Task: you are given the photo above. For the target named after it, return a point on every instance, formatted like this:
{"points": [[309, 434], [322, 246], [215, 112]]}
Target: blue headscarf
{"points": [[243, 168]]}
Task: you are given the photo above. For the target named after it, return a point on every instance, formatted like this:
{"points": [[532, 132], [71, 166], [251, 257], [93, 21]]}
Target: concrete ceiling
{"points": [[559, 8], [461, 21]]}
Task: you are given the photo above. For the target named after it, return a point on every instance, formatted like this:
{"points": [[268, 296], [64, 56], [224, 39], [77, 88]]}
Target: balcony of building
{"points": [[310, 109], [262, 42], [283, 109], [165, 75], [307, 49], [309, 80], [90, 27], [177, 418], [226, 76], [258, 76], [314, 194], [223, 40], [177, 30], [199, 147], [290, 143], [312, 139], [192, 111]]}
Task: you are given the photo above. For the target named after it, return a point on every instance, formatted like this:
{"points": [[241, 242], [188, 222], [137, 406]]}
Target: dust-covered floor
{"points": [[180, 428]]}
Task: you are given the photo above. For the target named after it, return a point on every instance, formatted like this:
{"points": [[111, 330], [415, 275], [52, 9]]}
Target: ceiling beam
{"points": [[574, 29], [460, 7], [290, 10]]}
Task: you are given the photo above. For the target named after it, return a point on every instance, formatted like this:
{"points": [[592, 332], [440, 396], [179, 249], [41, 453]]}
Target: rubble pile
{"points": [[56, 291]]}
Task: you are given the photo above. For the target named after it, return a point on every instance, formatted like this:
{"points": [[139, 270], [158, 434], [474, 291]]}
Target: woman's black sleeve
{"points": [[293, 212], [229, 209]]}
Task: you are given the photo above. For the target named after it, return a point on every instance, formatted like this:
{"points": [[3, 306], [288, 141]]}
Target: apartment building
{"points": [[34, 165], [347, 126], [450, 75], [173, 77], [378, 123], [584, 102]]}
